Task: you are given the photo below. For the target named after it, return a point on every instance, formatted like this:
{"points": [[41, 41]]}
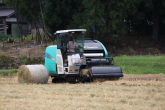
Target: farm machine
{"points": [[89, 59]]}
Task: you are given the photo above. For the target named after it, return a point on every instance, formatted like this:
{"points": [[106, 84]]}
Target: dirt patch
{"points": [[17, 54], [27, 48]]}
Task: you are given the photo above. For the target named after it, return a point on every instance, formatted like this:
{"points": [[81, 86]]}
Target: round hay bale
{"points": [[33, 74]]}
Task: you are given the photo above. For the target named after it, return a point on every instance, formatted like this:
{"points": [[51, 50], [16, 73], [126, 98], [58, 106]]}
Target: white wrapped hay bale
{"points": [[33, 74]]}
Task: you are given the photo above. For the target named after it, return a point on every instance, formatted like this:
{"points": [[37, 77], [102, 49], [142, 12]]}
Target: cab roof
{"points": [[69, 30]]}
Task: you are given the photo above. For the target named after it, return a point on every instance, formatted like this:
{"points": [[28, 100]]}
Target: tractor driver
{"points": [[72, 45]]}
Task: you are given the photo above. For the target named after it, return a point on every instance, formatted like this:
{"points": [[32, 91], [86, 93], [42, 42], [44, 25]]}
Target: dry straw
{"points": [[33, 74], [84, 72]]}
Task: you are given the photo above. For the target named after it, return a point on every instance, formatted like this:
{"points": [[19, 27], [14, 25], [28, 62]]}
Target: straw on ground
{"points": [[133, 92]]}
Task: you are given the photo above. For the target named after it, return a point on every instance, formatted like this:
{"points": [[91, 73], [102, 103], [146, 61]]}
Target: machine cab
{"points": [[65, 38], [65, 43]]}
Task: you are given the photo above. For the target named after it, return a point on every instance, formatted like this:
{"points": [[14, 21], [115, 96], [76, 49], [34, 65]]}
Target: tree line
{"points": [[101, 18]]}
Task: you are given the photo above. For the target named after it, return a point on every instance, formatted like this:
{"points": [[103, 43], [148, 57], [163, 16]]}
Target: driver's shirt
{"points": [[71, 45]]}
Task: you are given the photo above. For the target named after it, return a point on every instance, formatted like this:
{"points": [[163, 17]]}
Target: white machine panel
{"points": [[93, 54]]}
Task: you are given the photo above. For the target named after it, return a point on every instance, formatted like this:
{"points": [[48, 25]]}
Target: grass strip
{"points": [[8, 72], [147, 64], [141, 64]]}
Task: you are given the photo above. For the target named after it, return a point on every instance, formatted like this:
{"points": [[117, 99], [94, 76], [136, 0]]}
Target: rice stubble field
{"points": [[132, 92]]}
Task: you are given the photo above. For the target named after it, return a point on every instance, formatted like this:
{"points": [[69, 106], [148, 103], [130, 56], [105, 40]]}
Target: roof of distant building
{"points": [[6, 12]]}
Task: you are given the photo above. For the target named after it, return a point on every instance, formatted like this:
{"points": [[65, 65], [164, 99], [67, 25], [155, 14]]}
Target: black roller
{"points": [[105, 71]]}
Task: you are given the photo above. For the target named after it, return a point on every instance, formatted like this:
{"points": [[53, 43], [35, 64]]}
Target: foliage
{"points": [[102, 18], [52, 43], [143, 45], [4, 62], [37, 60], [4, 37], [4, 54], [23, 57], [28, 37], [15, 38], [58, 14], [7, 62]]}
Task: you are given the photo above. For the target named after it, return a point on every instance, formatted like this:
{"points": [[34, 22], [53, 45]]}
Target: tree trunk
{"points": [[44, 27], [18, 25], [144, 28], [38, 34], [3, 44], [155, 23]]}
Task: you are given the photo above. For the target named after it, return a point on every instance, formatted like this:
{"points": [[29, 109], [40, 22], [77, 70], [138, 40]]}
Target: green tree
{"points": [[149, 11], [103, 18], [58, 13], [157, 9]]}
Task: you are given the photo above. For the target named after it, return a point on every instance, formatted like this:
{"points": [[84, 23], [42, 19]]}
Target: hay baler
{"points": [[88, 61]]}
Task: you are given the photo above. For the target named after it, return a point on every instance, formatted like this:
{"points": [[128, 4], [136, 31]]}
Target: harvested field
{"points": [[132, 92]]}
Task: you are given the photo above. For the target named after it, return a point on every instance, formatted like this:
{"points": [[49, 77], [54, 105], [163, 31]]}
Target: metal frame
{"points": [[69, 30]]}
